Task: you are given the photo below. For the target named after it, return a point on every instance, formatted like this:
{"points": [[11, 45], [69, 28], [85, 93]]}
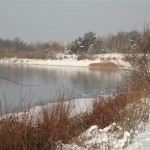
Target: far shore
{"points": [[69, 61]]}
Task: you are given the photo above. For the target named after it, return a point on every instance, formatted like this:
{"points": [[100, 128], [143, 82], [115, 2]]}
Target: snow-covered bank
{"points": [[78, 106], [112, 137], [69, 60]]}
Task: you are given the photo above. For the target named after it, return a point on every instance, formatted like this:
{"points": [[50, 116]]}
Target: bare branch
{"points": [[17, 82]]}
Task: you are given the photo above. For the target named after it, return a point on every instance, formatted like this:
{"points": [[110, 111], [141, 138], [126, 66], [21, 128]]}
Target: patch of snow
{"points": [[111, 137], [142, 140]]}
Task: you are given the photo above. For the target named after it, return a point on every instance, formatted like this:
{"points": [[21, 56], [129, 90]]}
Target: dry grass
{"points": [[55, 123], [103, 65]]}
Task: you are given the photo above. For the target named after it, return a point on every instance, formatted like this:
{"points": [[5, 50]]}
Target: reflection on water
{"points": [[81, 81]]}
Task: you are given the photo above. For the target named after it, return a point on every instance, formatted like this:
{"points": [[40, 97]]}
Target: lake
{"points": [[50, 81]]}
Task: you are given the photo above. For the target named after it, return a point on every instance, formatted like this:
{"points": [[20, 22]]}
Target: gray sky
{"points": [[62, 20]]}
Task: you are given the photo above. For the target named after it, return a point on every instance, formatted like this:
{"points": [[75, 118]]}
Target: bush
{"points": [[82, 56]]}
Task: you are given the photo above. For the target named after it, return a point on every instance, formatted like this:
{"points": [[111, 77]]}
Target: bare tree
{"points": [[139, 56]]}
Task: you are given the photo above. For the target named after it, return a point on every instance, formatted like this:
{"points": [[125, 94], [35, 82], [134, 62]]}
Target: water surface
{"points": [[78, 82]]}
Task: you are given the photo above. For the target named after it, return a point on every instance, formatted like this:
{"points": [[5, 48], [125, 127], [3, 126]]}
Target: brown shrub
{"points": [[82, 56], [39, 54]]}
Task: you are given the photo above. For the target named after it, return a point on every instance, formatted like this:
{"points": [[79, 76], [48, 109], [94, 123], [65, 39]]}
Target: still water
{"points": [[50, 81]]}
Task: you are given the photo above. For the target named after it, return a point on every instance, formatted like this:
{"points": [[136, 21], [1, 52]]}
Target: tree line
{"points": [[118, 43], [122, 42], [18, 48]]}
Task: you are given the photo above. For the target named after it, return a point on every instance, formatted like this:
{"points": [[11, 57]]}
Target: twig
{"points": [[17, 82]]}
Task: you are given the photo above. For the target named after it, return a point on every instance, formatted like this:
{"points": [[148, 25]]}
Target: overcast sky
{"points": [[64, 20]]}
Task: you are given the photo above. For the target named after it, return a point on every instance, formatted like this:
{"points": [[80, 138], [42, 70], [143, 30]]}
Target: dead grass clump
{"points": [[103, 65], [127, 108], [106, 110], [24, 134]]}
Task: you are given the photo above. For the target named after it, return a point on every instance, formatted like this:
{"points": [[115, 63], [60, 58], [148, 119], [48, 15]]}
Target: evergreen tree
{"points": [[82, 44], [88, 39]]}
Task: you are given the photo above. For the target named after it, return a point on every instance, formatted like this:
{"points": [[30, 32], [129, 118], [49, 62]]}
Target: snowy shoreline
{"points": [[69, 60]]}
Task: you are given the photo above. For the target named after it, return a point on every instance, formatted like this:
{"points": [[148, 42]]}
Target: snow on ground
{"points": [[110, 138], [69, 60], [142, 140]]}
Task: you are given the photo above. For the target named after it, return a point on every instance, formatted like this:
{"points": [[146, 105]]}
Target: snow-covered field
{"points": [[69, 60]]}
